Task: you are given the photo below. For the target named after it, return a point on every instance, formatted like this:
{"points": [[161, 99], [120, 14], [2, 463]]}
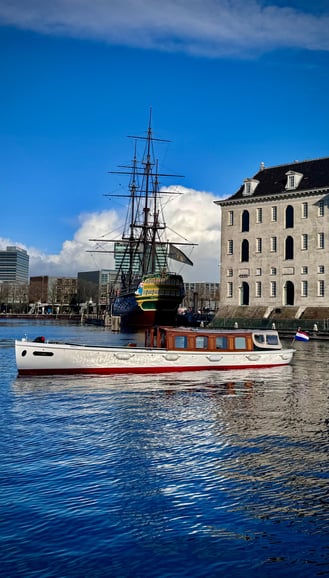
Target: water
{"points": [[183, 475]]}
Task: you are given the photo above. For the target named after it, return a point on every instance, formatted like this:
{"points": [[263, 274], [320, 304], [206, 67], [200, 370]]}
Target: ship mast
{"points": [[142, 236]]}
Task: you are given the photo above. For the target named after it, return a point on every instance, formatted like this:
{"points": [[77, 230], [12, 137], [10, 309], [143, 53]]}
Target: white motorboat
{"points": [[166, 349]]}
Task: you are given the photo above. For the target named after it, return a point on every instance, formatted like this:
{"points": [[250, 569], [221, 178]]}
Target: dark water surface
{"points": [[185, 475]]}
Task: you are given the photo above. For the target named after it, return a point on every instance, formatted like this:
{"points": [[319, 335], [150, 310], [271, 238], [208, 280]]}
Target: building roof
{"points": [[273, 180]]}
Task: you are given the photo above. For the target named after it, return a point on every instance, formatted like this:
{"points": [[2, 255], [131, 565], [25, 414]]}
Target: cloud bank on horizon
{"points": [[208, 28], [191, 217]]}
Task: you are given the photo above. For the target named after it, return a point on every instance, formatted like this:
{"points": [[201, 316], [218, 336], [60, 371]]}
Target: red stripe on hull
{"points": [[139, 370]]}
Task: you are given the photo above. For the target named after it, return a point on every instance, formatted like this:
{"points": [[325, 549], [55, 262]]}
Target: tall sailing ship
{"points": [[147, 293]]}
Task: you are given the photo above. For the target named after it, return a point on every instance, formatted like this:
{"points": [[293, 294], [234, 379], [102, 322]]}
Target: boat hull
{"points": [[34, 358]]}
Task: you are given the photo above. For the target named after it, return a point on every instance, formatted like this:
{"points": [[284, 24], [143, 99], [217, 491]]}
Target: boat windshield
{"points": [[267, 340]]}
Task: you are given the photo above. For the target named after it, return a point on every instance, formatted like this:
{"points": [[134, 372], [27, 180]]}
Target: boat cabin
{"points": [[190, 339]]}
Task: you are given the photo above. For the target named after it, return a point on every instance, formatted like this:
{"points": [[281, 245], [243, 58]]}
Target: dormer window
{"points": [[293, 180], [249, 187]]}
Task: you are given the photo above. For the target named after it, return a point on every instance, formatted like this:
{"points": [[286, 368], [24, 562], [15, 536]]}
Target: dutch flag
{"points": [[302, 336]]}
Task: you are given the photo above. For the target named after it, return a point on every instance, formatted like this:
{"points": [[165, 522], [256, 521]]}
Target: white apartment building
{"points": [[275, 238]]}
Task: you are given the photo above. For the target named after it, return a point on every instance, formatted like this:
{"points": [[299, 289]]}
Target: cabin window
{"points": [[221, 342], [259, 338], [201, 342], [180, 342], [272, 339], [240, 343]]}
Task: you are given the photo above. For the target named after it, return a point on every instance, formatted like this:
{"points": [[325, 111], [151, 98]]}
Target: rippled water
{"points": [[187, 475]]}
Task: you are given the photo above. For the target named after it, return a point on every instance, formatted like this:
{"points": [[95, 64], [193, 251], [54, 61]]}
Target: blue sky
{"points": [[232, 83]]}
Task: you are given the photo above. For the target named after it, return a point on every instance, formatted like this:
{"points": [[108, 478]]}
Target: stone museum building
{"points": [[275, 238]]}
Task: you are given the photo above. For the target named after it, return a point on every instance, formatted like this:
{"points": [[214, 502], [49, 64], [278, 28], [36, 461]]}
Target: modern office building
{"points": [[275, 238], [14, 265], [122, 258]]}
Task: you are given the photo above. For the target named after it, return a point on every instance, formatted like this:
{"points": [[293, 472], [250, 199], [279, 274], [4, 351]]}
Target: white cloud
{"points": [[210, 28], [191, 217]]}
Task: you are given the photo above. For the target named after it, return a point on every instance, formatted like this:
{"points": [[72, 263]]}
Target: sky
{"points": [[231, 84]]}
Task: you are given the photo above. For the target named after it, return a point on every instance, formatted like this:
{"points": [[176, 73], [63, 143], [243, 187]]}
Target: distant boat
{"points": [[166, 349], [148, 293]]}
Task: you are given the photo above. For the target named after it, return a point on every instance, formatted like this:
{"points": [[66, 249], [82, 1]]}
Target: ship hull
{"points": [[154, 302], [133, 317]]}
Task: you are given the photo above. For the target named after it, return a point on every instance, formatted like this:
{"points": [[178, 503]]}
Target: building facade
{"points": [[275, 238], [203, 296], [96, 286], [53, 294], [14, 265]]}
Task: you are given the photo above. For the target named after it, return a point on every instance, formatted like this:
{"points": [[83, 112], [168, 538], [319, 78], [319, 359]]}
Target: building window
{"points": [[304, 270], [229, 289], [273, 288], [321, 208], [245, 221], [320, 240], [259, 215], [245, 251], [289, 217], [230, 247], [321, 269], [274, 213], [273, 244], [321, 288], [289, 254], [304, 288], [304, 242], [304, 210], [229, 273], [258, 289], [291, 181], [273, 271], [230, 218], [258, 245], [258, 271]]}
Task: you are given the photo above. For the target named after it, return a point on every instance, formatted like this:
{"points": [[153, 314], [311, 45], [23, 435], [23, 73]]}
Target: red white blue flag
{"points": [[302, 336]]}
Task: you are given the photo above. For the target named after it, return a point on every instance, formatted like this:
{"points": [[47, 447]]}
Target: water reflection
{"points": [[208, 472]]}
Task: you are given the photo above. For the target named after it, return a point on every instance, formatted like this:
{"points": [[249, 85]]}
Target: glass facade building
{"points": [[14, 265]]}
